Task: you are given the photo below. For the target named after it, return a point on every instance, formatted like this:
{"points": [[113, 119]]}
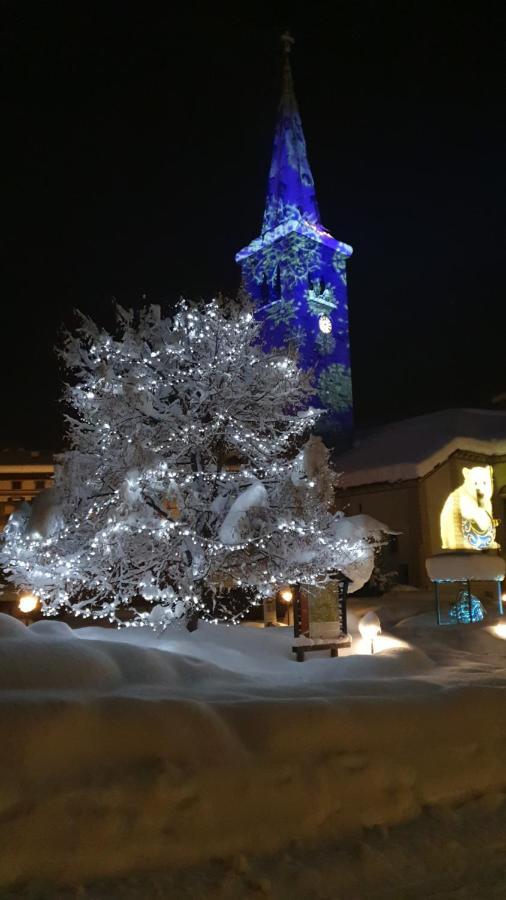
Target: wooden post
{"points": [[438, 608], [297, 612], [344, 605]]}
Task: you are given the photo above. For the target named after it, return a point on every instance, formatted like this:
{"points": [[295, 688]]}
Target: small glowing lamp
{"points": [[286, 595], [325, 324], [369, 627], [28, 603], [500, 630]]}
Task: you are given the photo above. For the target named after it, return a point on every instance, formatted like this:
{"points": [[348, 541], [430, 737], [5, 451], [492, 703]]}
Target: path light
{"points": [[286, 596], [28, 603], [369, 627]]}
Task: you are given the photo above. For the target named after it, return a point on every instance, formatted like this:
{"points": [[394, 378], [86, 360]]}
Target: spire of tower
{"points": [[291, 191], [295, 272]]}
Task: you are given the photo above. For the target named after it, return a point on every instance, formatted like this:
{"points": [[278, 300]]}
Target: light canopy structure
{"points": [[296, 271]]}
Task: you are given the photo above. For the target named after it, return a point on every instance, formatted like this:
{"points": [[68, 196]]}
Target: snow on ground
{"points": [[448, 853], [124, 752]]}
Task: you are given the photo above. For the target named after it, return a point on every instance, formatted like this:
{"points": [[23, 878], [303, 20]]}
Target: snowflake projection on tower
{"points": [[277, 213], [339, 263], [296, 338], [291, 260], [334, 387], [326, 344], [295, 272], [281, 312]]}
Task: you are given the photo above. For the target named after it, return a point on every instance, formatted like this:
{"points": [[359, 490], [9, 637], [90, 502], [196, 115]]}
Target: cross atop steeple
{"points": [[287, 41], [291, 191]]}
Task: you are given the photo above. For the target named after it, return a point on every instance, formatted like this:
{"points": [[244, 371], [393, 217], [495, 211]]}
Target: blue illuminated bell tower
{"points": [[296, 271]]}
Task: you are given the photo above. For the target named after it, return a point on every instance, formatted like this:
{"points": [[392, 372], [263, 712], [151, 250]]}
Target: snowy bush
{"points": [[382, 581]]}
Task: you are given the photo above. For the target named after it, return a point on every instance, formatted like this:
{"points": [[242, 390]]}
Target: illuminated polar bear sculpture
{"points": [[467, 522]]}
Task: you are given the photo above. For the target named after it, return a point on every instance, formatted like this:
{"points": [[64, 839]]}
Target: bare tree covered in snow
{"points": [[188, 475]]}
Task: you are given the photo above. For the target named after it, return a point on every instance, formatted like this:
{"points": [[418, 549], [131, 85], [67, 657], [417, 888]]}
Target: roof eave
{"points": [[294, 226]]}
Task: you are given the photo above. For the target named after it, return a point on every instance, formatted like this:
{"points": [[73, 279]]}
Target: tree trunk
{"points": [[193, 621]]}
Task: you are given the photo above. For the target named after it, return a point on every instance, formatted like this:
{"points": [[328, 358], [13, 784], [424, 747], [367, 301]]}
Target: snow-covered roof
{"points": [[411, 448]]}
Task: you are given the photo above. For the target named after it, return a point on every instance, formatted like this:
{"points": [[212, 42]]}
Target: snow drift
{"points": [[123, 752]]}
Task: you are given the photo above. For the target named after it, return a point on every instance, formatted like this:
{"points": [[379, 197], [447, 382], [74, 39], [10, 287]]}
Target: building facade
{"points": [[23, 474], [295, 271], [439, 480]]}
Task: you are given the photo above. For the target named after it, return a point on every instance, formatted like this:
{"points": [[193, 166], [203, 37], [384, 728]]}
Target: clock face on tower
{"points": [[325, 324]]}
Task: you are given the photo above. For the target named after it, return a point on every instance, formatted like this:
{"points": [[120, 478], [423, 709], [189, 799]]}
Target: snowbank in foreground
{"points": [[122, 752], [434, 856]]}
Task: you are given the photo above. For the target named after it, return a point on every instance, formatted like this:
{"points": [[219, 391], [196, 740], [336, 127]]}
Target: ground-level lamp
{"points": [[286, 596], [27, 604], [369, 627]]}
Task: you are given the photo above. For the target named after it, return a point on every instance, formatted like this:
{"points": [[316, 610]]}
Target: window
{"points": [[40, 485], [393, 543], [16, 485]]}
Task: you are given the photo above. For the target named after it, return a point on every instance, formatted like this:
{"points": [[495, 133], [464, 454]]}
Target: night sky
{"points": [[136, 152]]}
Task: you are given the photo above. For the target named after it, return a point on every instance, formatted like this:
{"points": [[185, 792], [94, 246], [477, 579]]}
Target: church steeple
{"points": [[296, 271], [291, 190]]}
